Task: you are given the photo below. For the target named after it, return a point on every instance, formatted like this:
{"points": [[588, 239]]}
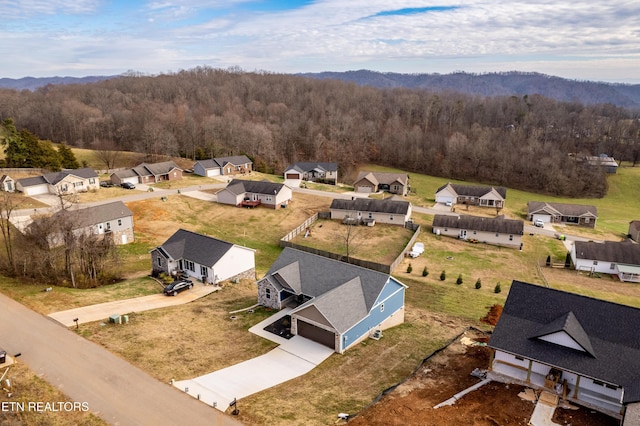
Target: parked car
{"points": [[448, 203], [177, 286], [539, 223], [106, 184], [127, 185]]}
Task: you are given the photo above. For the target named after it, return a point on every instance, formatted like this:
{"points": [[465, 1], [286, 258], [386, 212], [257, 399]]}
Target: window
{"points": [[159, 259], [613, 266], [108, 226], [595, 262], [64, 188], [268, 198], [519, 358], [497, 234], [586, 220], [203, 271], [119, 222], [598, 382], [78, 184], [189, 265], [613, 387], [382, 307], [391, 218], [370, 215], [267, 293], [475, 232], [92, 181], [510, 237]]}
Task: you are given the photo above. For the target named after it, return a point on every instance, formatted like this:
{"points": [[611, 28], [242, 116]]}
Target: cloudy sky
{"points": [[586, 40]]}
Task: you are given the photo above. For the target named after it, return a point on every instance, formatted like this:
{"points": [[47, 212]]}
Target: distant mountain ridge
{"points": [[512, 83], [498, 84], [33, 83]]}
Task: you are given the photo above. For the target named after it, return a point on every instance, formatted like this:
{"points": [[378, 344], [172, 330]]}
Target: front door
{"points": [[463, 234]]}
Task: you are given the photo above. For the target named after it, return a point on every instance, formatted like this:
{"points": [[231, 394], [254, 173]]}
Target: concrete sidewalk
{"points": [[293, 358], [102, 311]]}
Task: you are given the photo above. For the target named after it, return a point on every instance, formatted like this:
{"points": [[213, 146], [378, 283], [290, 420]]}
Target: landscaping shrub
{"points": [[459, 280], [478, 283], [497, 288], [425, 272], [409, 269], [443, 276]]}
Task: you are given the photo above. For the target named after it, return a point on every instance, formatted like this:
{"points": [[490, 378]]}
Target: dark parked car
{"points": [[177, 286], [106, 184], [128, 185]]}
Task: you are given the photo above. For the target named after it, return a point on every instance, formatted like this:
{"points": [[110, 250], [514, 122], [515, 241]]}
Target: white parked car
{"points": [[539, 223]]}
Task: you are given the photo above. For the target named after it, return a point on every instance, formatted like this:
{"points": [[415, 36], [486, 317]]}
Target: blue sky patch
{"points": [[416, 10]]}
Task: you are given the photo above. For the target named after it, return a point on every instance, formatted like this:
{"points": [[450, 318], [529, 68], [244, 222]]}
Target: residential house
{"points": [[370, 182], [148, 173], [569, 343], [334, 303], [205, 258], [7, 183], [569, 214], [497, 231], [250, 193], [313, 172], [372, 211], [608, 164], [223, 166], [472, 195], [621, 258], [113, 220], [634, 230], [63, 182]]}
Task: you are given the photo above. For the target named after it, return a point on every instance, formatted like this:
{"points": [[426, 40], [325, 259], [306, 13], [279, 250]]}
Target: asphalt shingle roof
{"points": [[197, 248], [383, 177], [371, 205], [97, 214], [55, 177], [610, 328], [238, 186], [563, 209], [307, 166], [625, 252], [474, 190], [476, 223]]}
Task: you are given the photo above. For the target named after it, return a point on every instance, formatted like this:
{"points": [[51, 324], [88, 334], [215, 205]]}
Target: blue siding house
{"points": [[333, 303]]}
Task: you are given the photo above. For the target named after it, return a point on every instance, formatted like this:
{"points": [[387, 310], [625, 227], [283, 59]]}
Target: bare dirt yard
{"points": [[449, 372]]}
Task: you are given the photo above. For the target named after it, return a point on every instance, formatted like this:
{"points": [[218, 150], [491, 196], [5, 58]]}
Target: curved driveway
{"points": [[115, 390]]}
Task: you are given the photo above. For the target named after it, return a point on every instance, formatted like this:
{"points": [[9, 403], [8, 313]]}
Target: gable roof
{"points": [[476, 223], [195, 247], [307, 166], [383, 177], [372, 205], [562, 209], [610, 329], [625, 252], [219, 162], [102, 213], [238, 187], [56, 177], [155, 169], [474, 190], [341, 292]]}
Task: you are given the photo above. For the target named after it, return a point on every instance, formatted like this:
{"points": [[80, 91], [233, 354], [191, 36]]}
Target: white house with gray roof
{"points": [[62, 182], [205, 258], [497, 231], [223, 166], [251, 193], [334, 303], [586, 348], [621, 258], [370, 210], [563, 213], [114, 220]]}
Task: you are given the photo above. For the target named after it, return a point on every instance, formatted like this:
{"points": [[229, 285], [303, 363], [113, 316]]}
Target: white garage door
{"points": [[36, 190], [444, 199], [213, 172], [543, 217]]}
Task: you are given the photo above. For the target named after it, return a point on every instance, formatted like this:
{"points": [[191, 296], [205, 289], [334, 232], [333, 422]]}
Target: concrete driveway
{"points": [[293, 358], [102, 311]]}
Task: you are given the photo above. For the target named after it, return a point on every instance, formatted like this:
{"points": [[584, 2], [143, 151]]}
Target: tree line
{"points": [[526, 142]]}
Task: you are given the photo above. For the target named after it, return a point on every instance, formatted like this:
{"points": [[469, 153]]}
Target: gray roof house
{"points": [[589, 346], [148, 173], [206, 258], [370, 211], [62, 182], [251, 193], [369, 182], [114, 220], [7, 183], [473, 195], [323, 172], [497, 231], [222, 166], [563, 213], [333, 303], [621, 258]]}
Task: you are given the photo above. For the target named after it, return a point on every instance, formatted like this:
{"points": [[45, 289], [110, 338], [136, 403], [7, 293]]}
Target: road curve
{"points": [[115, 390]]}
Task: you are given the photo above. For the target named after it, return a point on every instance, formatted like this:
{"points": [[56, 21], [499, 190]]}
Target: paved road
{"points": [[102, 311], [115, 390]]}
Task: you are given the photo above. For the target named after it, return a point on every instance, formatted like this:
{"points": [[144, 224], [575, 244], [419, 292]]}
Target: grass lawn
{"points": [[381, 243]]}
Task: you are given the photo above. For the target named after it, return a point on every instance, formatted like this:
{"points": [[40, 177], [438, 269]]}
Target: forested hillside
{"points": [[522, 142]]}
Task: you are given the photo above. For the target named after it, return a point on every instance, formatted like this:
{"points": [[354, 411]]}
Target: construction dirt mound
{"points": [[449, 372]]}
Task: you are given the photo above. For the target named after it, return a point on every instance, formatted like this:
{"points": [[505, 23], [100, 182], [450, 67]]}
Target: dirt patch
{"points": [[449, 372]]}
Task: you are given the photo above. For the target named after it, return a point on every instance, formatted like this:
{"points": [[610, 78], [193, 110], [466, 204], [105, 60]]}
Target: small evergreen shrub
{"points": [[425, 272], [478, 284], [443, 276], [459, 280], [409, 269], [497, 288]]}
